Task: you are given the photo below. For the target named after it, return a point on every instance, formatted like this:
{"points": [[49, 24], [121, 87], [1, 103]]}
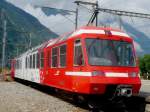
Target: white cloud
{"points": [[52, 22], [135, 5]]}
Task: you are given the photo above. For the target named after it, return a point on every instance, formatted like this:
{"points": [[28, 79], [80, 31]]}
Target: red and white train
{"points": [[90, 61]]}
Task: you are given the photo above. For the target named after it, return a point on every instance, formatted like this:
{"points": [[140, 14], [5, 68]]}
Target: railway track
{"points": [[134, 104], [24, 96]]}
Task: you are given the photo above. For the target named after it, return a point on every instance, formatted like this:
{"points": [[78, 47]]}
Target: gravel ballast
{"points": [[16, 97]]}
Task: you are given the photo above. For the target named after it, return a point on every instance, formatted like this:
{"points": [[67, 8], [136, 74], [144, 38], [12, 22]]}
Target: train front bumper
{"points": [[101, 85]]}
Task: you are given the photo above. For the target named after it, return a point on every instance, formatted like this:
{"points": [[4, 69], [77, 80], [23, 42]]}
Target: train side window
{"points": [[62, 56], [19, 64], [34, 61], [41, 59], [26, 63], [30, 61], [37, 60], [16, 65], [78, 53], [54, 57]]}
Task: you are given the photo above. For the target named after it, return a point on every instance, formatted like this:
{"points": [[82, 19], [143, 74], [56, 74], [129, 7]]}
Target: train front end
{"points": [[113, 66], [110, 64]]}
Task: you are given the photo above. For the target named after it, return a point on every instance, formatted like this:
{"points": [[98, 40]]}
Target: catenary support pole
{"points": [[76, 19]]}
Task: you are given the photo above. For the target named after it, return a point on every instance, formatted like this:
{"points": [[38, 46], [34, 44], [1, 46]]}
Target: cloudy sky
{"points": [[60, 24], [54, 22]]}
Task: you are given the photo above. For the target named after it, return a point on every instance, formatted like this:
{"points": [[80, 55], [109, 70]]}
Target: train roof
{"points": [[82, 30], [88, 30], [99, 30]]}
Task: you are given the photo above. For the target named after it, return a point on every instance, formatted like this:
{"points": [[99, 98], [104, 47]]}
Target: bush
{"points": [[8, 78]]}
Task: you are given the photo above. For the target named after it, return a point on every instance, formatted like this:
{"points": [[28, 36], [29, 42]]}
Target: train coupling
{"points": [[123, 90]]}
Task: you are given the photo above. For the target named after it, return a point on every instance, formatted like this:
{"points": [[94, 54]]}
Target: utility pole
{"points": [[30, 41], [4, 41], [95, 13]]}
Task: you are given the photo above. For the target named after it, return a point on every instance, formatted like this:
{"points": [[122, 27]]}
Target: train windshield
{"points": [[109, 52]]}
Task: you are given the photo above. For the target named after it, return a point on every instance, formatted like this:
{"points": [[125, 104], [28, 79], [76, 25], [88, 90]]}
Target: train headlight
{"points": [[98, 73], [133, 74]]}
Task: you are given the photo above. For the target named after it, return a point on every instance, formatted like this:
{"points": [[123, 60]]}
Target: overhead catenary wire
{"points": [[119, 13], [125, 13]]}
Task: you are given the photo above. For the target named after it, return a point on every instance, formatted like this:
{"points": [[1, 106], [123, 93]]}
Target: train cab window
{"points": [[37, 60], [62, 56], [78, 53], [34, 61], [54, 57], [41, 59]]}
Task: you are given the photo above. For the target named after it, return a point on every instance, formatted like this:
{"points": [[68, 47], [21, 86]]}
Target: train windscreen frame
{"points": [[104, 52]]}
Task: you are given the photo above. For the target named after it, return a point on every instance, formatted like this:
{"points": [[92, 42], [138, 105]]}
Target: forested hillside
{"points": [[21, 25]]}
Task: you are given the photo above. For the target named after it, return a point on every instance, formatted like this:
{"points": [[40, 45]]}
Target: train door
{"points": [[32, 67], [47, 68], [41, 66], [35, 71], [62, 59], [78, 65], [54, 73]]}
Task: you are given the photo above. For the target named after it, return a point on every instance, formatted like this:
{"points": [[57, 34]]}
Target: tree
{"points": [[147, 63], [144, 64]]}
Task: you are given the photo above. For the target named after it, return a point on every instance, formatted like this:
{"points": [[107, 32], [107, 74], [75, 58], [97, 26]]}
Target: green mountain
{"points": [[21, 26]]}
